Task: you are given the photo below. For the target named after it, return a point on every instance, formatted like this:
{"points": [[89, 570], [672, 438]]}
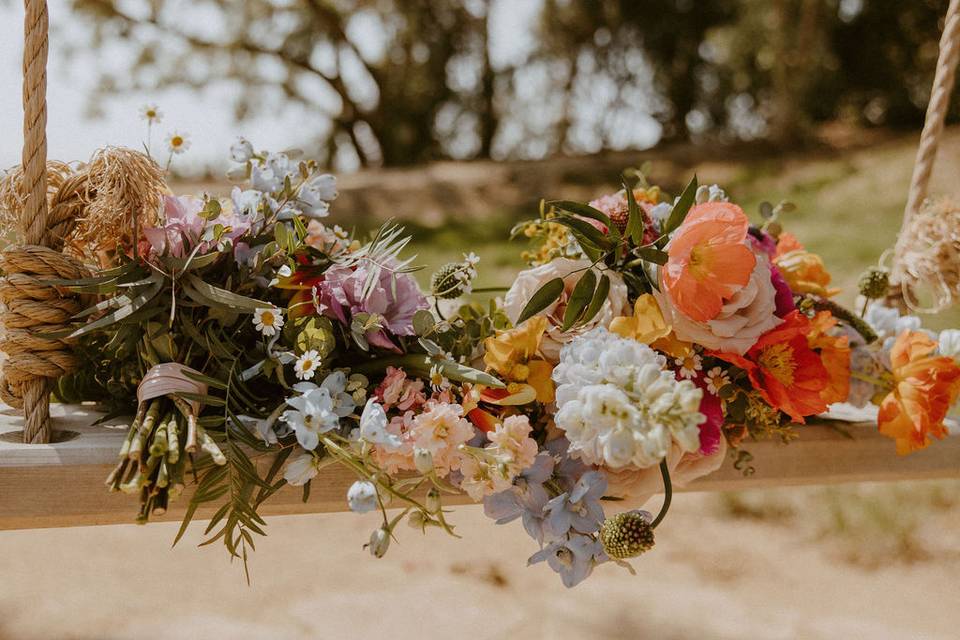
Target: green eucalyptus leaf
{"points": [[423, 322], [586, 211], [680, 210], [635, 219], [583, 230], [599, 297], [579, 299], [543, 298]]}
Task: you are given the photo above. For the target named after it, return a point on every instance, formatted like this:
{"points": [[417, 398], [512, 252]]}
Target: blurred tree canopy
{"points": [[404, 81]]}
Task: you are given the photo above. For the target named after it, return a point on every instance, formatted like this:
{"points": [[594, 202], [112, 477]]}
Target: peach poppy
{"points": [[708, 259], [925, 386], [787, 373], [834, 352]]}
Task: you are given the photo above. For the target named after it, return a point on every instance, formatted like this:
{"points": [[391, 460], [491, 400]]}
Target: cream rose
{"points": [[529, 281], [745, 317]]}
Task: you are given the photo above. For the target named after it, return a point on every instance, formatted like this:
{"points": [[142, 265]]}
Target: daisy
{"points": [[268, 321], [151, 114], [689, 366], [716, 379], [178, 142], [307, 364]]}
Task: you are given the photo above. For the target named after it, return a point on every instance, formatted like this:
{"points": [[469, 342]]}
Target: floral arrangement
{"points": [[650, 338]]}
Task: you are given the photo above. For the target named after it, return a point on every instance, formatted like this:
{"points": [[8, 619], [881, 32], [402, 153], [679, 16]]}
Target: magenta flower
{"points": [[395, 297]]}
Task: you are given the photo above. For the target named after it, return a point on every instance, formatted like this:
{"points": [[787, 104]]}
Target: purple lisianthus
{"points": [[394, 297]]}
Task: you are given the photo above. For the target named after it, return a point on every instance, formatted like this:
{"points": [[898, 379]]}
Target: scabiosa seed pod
{"points": [[626, 535], [448, 282], [874, 283], [620, 217]]}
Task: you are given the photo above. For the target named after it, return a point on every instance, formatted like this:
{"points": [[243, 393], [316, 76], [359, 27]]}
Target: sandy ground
{"points": [[712, 575]]}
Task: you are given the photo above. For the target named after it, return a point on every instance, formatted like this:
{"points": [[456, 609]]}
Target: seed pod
{"points": [[448, 281], [627, 535], [874, 283]]}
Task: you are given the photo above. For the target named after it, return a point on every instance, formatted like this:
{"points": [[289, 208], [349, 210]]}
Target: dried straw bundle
{"points": [[928, 256]]}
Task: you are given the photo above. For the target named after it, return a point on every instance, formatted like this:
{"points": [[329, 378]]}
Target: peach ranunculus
{"points": [[925, 386], [805, 272], [709, 260], [742, 319], [530, 280], [513, 356], [834, 351]]}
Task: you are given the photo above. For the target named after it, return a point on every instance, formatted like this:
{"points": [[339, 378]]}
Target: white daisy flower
{"points": [[689, 366], [268, 321], [151, 113], [716, 380], [307, 364], [178, 142]]}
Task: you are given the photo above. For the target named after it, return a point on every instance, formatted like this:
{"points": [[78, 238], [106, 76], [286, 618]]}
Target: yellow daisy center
{"points": [[176, 141], [267, 319]]}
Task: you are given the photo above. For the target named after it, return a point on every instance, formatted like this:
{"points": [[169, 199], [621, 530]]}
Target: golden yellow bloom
{"points": [[645, 325], [513, 356], [805, 272]]}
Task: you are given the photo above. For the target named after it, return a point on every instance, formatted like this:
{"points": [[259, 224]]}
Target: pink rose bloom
{"points": [[395, 297], [743, 318], [527, 283], [637, 486]]}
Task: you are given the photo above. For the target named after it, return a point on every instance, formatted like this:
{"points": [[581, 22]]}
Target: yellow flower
{"points": [[805, 272], [513, 356], [646, 325]]}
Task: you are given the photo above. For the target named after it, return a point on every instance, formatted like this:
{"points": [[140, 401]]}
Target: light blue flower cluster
{"points": [[558, 500]]}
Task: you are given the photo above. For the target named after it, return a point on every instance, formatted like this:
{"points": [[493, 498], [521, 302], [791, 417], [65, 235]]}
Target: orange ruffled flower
{"points": [[709, 260], [805, 272], [513, 356], [789, 375], [925, 387], [787, 242], [834, 353]]}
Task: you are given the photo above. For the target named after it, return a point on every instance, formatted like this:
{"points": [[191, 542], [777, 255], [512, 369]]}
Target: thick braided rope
{"points": [[31, 362], [933, 125]]}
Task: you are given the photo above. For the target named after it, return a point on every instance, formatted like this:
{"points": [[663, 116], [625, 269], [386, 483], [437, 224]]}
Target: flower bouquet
{"points": [[650, 338]]}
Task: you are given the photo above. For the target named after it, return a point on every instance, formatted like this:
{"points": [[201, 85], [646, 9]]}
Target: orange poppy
{"points": [[708, 259], [925, 386], [834, 353], [787, 373], [804, 272]]}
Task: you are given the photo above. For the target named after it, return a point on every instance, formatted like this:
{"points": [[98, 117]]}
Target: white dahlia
{"points": [[617, 404]]}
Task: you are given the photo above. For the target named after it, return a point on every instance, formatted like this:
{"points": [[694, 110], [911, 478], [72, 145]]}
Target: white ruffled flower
{"points": [[268, 321], [530, 280], [362, 496], [312, 414], [306, 365], [619, 407]]}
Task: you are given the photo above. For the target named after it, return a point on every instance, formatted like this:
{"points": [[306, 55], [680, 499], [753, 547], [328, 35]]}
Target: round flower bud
{"points": [[626, 535], [416, 520], [423, 460], [620, 216], [448, 281], [379, 542], [874, 283]]}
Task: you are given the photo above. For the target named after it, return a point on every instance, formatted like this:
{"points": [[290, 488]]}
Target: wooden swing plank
{"points": [[61, 484]]}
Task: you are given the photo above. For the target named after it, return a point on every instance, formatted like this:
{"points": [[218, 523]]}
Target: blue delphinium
{"points": [[558, 499], [573, 558]]}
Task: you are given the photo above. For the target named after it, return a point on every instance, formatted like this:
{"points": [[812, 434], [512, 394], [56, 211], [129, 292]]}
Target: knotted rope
{"points": [[928, 246]]}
